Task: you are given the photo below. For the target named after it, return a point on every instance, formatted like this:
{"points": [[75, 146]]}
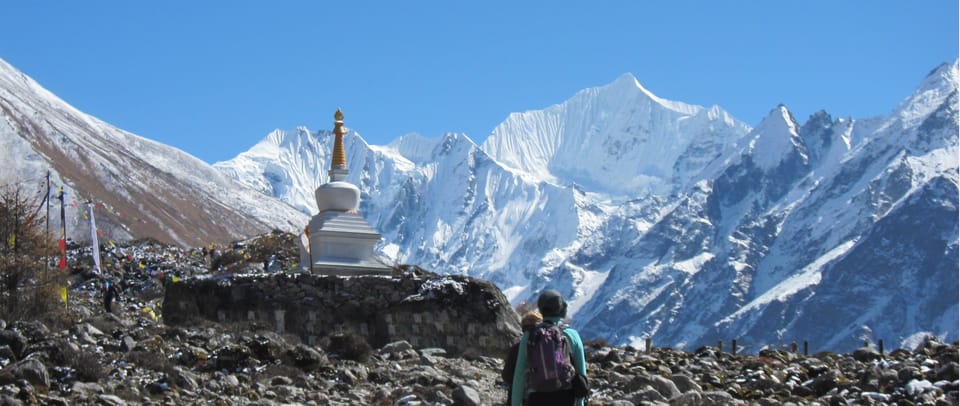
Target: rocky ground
{"points": [[129, 356]]}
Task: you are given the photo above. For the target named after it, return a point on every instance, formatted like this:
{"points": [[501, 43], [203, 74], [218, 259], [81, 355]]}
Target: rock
{"points": [[866, 354], [720, 398], [280, 380], [664, 386], [157, 387], [232, 357], [909, 373], [150, 344], [916, 388], [230, 381], [396, 346], [431, 356], [266, 346], [7, 353], [689, 398], [466, 396], [54, 401], [184, 379], [947, 372], [15, 340], [347, 377], [434, 352], [685, 383], [127, 343], [408, 400], [305, 357], [32, 329], [613, 357], [647, 394], [110, 400], [86, 389], [824, 383], [32, 371]]}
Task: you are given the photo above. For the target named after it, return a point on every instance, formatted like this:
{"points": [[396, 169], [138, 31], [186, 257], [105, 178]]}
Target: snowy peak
{"points": [[619, 138], [414, 147], [628, 85], [932, 92], [454, 142], [774, 138]]}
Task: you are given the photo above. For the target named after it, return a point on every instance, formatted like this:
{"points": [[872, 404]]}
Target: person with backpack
{"points": [[527, 323], [110, 292], [551, 367]]}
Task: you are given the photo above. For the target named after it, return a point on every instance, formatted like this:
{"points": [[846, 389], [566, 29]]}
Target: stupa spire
{"points": [[338, 165]]}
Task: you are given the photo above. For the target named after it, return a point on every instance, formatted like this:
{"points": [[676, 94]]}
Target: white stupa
{"points": [[338, 240]]}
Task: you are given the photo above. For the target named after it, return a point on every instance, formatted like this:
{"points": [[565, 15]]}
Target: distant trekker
{"points": [[551, 368], [110, 292]]}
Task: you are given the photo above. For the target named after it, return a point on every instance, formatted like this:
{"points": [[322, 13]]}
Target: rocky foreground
{"points": [[129, 356], [121, 359]]}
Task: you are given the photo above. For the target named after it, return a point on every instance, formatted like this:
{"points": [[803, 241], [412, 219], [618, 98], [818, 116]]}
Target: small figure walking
{"points": [[110, 292]]}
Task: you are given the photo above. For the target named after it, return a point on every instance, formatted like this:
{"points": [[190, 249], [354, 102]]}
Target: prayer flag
{"points": [[63, 234], [93, 239]]}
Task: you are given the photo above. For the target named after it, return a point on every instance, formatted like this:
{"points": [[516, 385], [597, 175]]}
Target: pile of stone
{"points": [[116, 360], [130, 356], [926, 375]]}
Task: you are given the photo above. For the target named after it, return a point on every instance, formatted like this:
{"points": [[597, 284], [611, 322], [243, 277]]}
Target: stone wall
{"points": [[455, 313]]}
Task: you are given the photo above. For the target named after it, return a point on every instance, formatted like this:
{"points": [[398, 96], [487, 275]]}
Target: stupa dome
{"points": [[339, 196]]}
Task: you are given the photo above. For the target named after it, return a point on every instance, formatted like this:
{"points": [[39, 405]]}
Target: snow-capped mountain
{"points": [[655, 218], [618, 139], [140, 188], [671, 221]]}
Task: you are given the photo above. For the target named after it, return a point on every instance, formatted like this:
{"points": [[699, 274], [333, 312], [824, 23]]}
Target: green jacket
{"points": [[520, 371]]}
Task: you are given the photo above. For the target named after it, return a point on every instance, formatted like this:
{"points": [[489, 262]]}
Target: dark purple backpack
{"points": [[549, 360]]}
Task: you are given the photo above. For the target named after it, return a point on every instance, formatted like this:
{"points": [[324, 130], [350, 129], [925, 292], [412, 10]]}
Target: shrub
{"points": [[596, 343], [88, 367], [349, 346], [147, 360]]}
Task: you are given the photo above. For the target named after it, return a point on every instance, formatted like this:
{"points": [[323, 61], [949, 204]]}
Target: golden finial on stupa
{"points": [[339, 155]]}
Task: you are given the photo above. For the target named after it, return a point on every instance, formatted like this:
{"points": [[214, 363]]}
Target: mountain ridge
{"points": [[139, 187], [656, 219], [725, 236]]}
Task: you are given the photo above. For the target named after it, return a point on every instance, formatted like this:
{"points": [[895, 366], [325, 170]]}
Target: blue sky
{"points": [[214, 77]]}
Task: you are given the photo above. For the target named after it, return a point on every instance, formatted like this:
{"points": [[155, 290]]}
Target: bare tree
{"points": [[27, 290]]}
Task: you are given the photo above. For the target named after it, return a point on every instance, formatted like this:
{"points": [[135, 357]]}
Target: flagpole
{"points": [[46, 263], [306, 231]]}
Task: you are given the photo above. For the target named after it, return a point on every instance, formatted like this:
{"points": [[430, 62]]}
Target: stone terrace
{"points": [[455, 313]]}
